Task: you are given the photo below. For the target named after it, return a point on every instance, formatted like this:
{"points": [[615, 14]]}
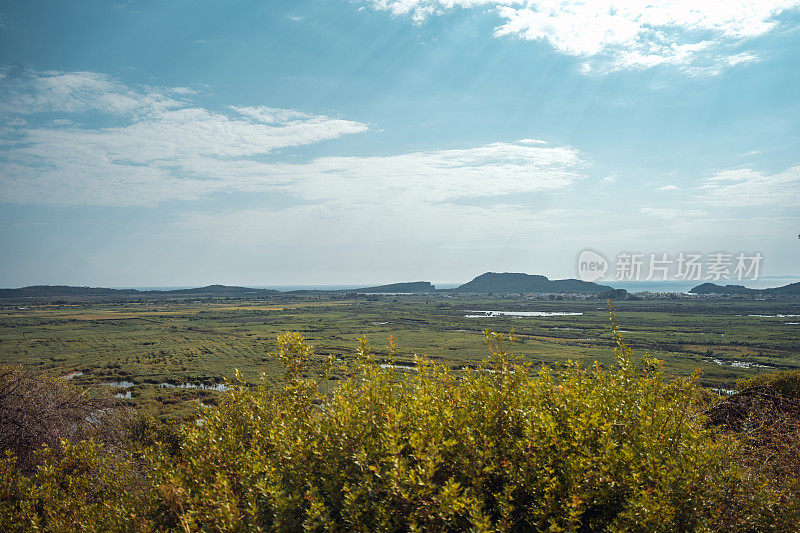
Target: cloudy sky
{"points": [[256, 142]]}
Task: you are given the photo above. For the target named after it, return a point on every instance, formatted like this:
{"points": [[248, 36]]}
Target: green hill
{"points": [[512, 283], [713, 288], [793, 289], [411, 286]]}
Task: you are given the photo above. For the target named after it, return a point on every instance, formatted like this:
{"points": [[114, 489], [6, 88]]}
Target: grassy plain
{"points": [[153, 343]]}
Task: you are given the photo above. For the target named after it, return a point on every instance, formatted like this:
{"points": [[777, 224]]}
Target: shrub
{"points": [[38, 410], [767, 423], [82, 488], [785, 382], [503, 447], [500, 448]]}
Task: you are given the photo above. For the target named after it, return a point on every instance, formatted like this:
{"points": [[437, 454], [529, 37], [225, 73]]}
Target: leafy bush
{"points": [[82, 488], [506, 447]]}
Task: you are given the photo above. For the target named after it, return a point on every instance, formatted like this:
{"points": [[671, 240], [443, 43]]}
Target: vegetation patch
{"points": [[504, 446]]}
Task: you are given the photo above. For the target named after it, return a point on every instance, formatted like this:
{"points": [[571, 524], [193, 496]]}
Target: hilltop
{"points": [[519, 283], [793, 289]]}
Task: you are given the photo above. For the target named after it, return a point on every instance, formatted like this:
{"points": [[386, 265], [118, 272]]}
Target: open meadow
{"points": [[171, 356]]}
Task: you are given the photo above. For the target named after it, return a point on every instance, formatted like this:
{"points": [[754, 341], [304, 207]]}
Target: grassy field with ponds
{"points": [[172, 357]]}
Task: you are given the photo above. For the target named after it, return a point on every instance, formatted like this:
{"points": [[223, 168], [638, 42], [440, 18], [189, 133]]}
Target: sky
{"points": [[177, 143]]}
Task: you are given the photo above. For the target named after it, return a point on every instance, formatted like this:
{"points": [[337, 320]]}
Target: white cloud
{"points": [[271, 115], [750, 188], [169, 149], [669, 188], [173, 135], [101, 173], [77, 92], [418, 177], [144, 160], [698, 37], [669, 213]]}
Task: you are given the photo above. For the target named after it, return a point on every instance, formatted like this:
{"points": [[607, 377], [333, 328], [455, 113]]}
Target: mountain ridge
{"points": [[486, 283], [69, 291]]}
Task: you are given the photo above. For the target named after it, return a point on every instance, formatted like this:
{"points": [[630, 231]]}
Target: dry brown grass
{"points": [[37, 410]]}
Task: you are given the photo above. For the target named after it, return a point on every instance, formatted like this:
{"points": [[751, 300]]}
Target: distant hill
{"points": [[218, 290], [511, 282], [63, 291], [411, 286], [793, 289], [713, 288]]}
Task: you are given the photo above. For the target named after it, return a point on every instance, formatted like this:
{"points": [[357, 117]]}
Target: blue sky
{"points": [[148, 143]]}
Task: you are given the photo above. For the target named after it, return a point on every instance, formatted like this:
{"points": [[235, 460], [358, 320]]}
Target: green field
{"points": [[152, 343]]}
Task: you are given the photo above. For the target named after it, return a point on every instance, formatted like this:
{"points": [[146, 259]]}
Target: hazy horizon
{"points": [[634, 286]]}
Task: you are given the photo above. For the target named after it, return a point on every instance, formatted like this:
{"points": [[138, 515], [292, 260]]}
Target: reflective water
{"points": [[120, 384], [489, 314], [215, 386]]}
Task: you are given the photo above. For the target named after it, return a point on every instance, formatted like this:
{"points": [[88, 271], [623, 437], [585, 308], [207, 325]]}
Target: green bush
{"points": [[506, 447]]}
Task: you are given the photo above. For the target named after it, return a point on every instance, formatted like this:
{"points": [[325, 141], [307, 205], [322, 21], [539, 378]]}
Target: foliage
{"points": [[768, 425], [83, 488], [38, 410], [785, 382], [504, 447]]}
